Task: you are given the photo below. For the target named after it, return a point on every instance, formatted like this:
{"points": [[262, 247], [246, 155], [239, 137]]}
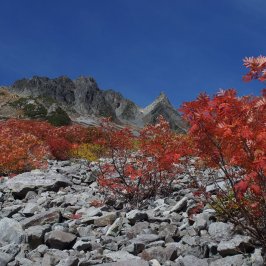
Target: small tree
{"points": [[138, 168], [229, 133]]}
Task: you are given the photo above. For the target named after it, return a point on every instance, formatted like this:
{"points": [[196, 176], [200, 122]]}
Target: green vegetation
{"points": [[58, 118]]}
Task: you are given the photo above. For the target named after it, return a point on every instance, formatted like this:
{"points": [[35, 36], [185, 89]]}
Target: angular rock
{"points": [[179, 205], [136, 216], [115, 228], [120, 256], [82, 245], [200, 222], [11, 231], [60, 240], [220, 231], [159, 253], [146, 238], [23, 183], [9, 211], [48, 217], [106, 219], [256, 258], [237, 260], [30, 209], [135, 248], [154, 262], [70, 261], [5, 258], [239, 244], [191, 260], [130, 262], [36, 235], [137, 229]]}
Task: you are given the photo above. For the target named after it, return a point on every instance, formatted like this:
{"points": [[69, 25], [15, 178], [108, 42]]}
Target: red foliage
{"points": [[140, 168], [27, 144], [229, 133], [257, 68]]}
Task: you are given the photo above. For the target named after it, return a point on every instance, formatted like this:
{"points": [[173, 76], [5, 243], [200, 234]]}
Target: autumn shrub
{"points": [[20, 151], [229, 133], [27, 144], [137, 169], [88, 151]]}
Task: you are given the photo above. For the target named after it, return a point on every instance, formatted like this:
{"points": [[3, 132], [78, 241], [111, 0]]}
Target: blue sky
{"points": [[137, 47]]}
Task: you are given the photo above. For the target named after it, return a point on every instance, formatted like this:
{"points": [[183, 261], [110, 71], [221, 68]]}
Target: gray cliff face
{"points": [[60, 89], [162, 106], [84, 97]]}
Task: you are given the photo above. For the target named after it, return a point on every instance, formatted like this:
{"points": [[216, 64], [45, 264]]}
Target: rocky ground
{"points": [[49, 218]]}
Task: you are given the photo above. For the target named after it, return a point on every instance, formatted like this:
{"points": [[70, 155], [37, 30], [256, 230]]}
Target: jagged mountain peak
{"points": [[83, 97]]}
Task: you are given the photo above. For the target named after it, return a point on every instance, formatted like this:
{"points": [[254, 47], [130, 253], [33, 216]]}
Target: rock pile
{"points": [[50, 218]]}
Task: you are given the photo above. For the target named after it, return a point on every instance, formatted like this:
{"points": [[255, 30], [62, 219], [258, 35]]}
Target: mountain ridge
{"points": [[83, 100]]}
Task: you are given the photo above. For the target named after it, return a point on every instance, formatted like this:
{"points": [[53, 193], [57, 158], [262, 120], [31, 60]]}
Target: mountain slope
{"points": [[84, 101]]}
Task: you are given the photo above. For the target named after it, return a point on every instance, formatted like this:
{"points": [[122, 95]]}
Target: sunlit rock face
{"points": [[83, 98]]}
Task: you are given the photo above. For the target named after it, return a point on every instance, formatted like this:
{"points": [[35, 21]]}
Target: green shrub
{"points": [[59, 118]]}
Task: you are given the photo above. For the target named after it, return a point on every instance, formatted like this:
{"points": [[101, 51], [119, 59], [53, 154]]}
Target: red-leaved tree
{"points": [[139, 168], [229, 133]]}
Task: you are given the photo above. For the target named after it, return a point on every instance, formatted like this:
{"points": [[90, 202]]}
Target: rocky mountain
{"points": [[84, 101]]}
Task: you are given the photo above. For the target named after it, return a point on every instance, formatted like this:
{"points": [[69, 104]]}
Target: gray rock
{"points": [[26, 262], [106, 219], [36, 234], [89, 212], [115, 228], [137, 229], [11, 249], [191, 260], [179, 205], [82, 245], [70, 261], [23, 183], [130, 262], [200, 222], [60, 240], [11, 231], [136, 216], [256, 258], [169, 232], [159, 253], [237, 260], [135, 248], [48, 217], [220, 231], [154, 262], [9, 211], [120, 256], [30, 209], [239, 244], [5, 258], [146, 238]]}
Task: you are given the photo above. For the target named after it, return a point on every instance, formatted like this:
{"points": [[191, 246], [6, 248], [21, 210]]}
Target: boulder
{"points": [[190, 260], [237, 260], [11, 231], [220, 231], [48, 217], [21, 184], [181, 204], [36, 234], [239, 244], [60, 240]]}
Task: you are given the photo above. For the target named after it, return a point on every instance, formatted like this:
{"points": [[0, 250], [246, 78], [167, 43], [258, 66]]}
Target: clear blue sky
{"points": [[137, 47]]}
